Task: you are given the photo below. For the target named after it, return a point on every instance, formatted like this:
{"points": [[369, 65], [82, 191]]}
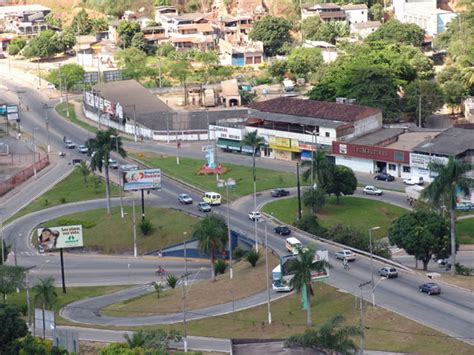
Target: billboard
{"points": [[142, 179], [62, 237]]}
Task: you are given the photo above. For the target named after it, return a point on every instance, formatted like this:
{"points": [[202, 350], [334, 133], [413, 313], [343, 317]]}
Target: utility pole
{"points": [[298, 188], [372, 284], [269, 310], [46, 119], [361, 318], [1, 235], [134, 230], [185, 283], [60, 85], [34, 152], [98, 107], [419, 111]]}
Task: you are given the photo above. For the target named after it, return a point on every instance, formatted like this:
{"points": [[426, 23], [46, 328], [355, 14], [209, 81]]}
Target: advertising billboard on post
{"points": [[62, 237], [142, 179]]}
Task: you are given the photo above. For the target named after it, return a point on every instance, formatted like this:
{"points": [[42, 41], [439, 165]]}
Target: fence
{"points": [[22, 175]]}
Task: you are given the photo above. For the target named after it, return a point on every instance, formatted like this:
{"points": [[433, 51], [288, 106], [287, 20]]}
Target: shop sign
{"points": [[371, 152], [227, 132], [422, 161]]}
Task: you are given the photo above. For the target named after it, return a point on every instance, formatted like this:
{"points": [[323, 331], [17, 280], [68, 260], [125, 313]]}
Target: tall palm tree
{"points": [[84, 169], [302, 267], [253, 140], [101, 146], [45, 295], [318, 168], [211, 233], [449, 178]]}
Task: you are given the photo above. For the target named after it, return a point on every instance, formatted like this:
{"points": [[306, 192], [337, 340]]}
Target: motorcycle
{"points": [[160, 271], [62, 154]]}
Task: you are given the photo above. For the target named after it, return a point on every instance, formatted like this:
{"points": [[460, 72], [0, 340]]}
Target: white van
{"points": [[212, 198], [292, 244]]}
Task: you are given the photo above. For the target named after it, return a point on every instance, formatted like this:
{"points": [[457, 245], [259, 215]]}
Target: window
{"points": [[406, 169], [392, 167], [327, 134]]}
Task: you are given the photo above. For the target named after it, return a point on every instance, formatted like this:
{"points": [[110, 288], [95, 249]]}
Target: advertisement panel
{"points": [[371, 152], [61, 237], [142, 179]]}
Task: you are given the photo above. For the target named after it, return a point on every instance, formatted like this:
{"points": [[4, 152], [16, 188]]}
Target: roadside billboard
{"points": [[62, 237], [142, 179]]}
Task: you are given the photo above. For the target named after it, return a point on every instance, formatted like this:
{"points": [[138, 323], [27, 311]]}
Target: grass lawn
{"points": [[188, 168], [71, 189], [358, 213], [465, 231], [112, 234], [61, 109], [201, 294]]}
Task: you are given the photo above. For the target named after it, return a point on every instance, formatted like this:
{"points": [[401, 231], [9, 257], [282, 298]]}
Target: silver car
{"points": [[388, 272]]}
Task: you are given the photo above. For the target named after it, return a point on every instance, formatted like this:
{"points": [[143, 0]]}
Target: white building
{"points": [[328, 50], [363, 29], [356, 13]]}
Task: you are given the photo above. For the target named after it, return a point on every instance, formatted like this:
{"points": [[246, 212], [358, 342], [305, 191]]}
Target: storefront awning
{"points": [[228, 144], [305, 155]]}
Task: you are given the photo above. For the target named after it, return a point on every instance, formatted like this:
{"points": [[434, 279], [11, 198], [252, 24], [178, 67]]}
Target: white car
{"points": [[83, 149], [372, 190], [413, 181], [255, 215], [113, 164], [345, 254]]}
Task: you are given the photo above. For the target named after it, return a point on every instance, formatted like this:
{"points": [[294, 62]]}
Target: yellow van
{"points": [[292, 245], [212, 198]]}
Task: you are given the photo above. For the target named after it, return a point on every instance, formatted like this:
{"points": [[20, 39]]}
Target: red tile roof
{"points": [[315, 109]]}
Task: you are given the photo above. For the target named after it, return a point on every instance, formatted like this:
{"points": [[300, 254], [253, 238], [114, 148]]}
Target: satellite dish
{"points": [[141, 9]]}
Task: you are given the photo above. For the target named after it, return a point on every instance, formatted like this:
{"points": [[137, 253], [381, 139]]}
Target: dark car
{"points": [[388, 272], [430, 288], [282, 230], [280, 192], [384, 177]]}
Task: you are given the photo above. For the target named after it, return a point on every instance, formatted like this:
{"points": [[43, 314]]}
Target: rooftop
{"points": [[454, 141], [332, 14], [22, 8], [354, 7], [368, 24], [409, 140], [378, 137]]}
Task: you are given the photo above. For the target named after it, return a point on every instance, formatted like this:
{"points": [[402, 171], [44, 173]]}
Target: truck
{"points": [[413, 193], [281, 284]]}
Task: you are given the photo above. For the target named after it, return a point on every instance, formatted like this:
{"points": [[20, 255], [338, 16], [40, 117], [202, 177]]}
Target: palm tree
{"points": [[449, 178], [302, 267], [101, 146], [45, 294], [211, 233], [136, 340], [84, 169], [251, 139], [320, 169]]}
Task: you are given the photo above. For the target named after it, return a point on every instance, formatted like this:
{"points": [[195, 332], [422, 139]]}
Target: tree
{"points": [[13, 327], [132, 61], [161, 2], [329, 31], [449, 178], [11, 279], [53, 21], [6, 251], [138, 41], [331, 335], [103, 144], [159, 288], [253, 256], [180, 70], [314, 198], [377, 12], [396, 32], [274, 32], [31, 345], [343, 181], [310, 27], [45, 295], [99, 25], [454, 94], [253, 140], [84, 169], [321, 168], [278, 69], [65, 40], [42, 46], [81, 23], [156, 340], [302, 268], [430, 94], [68, 76], [126, 31], [16, 45], [421, 233], [309, 223], [211, 233], [302, 62]]}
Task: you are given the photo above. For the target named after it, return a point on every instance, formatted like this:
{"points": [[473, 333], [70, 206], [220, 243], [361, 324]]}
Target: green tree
{"points": [[332, 335], [309, 223], [211, 233], [45, 295], [159, 288], [126, 31], [155, 340], [274, 32], [13, 327], [132, 61], [253, 140], [104, 143], [396, 32], [65, 39], [302, 62], [16, 45], [310, 27], [81, 23], [278, 69], [343, 182], [68, 76], [11, 279], [161, 2], [180, 70], [31, 345], [99, 25], [321, 169], [42, 46], [329, 31], [302, 268], [84, 169], [6, 251], [138, 41], [53, 21], [314, 198], [449, 178], [454, 94], [377, 12], [422, 234], [430, 94], [253, 256]]}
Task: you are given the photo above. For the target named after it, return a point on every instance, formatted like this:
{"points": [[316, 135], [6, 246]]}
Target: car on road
{"points": [[345, 254], [384, 177], [413, 181], [69, 144], [185, 199], [388, 272], [464, 206], [282, 230], [128, 167], [430, 288], [255, 215], [279, 192], [372, 190], [83, 149], [113, 164], [204, 207]]}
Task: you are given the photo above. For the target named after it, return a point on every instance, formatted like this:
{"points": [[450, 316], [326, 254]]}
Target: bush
{"points": [[62, 200], [146, 227], [70, 222], [309, 223], [220, 266], [252, 257], [172, 281], [238, 253], [462, 270]]}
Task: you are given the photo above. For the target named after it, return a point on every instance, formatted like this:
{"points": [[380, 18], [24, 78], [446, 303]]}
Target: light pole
{"points": [[46, 119], [120, 175], [60, 85], [269, 310], [228, 183], [361, 318], [372, 263], [34, 152], [429, 163], [134, 121], [98, 108], [314, 134], [28, 303], [2, 211]]}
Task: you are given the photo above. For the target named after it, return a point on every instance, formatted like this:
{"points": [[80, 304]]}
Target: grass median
{"points": [[465, 231], [188, 168], [61, 109]]}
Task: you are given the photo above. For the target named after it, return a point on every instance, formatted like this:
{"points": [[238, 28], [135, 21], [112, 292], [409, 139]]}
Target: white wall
{"points": [[357, 164], [367, 125], [356, 16], [306, 138]]}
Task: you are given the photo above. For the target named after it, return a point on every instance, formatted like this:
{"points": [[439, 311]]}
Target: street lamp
{"points": [[34, 152], [2, 211], [269, 310], [134, 121], [46, 120], [372, 263], [120, 175], [314, 134], [228, 183], [429, 163]]}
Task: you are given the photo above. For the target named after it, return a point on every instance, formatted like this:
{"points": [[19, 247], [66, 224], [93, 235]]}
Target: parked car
{"points": [[83, 149], [372, 190], [388, 272], [385, 177], [282, 230], [255, 215], [464, 206], [279, 192], [204, 207], [430, 288], [345, 254], [69, 145], [413, 181], [185, 199]]}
